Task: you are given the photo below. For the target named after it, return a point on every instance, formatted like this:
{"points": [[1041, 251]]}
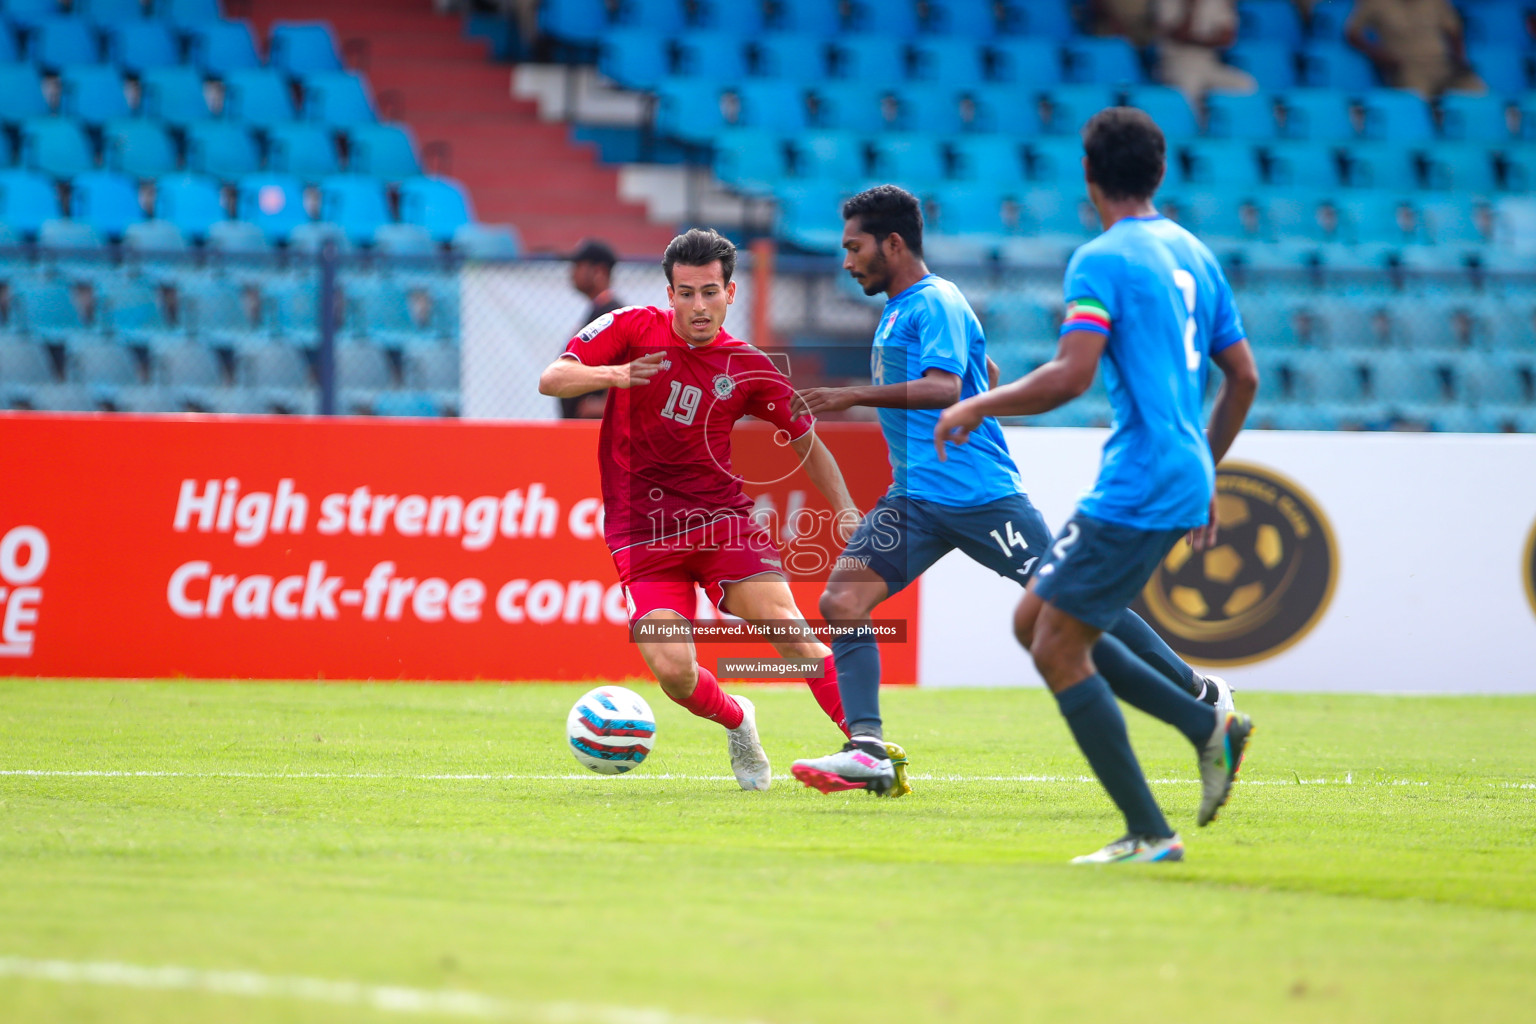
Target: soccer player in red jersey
{"points": [[675, 513]]}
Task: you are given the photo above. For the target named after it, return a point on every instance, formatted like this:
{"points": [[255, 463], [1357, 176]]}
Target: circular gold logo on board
{"points": [[1528, 568], [1263, 586]]}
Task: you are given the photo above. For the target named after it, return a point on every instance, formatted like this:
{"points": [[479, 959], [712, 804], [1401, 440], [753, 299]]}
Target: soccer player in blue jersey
{"points": [[1148, 303], [928, 353]]}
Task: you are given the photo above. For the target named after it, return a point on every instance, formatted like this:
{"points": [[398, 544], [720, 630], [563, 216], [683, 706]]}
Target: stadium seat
{"points": [[175, 96], [438, 204], [428, 368], [258, 96], [219, 47], [356, 203], [1048, 19], [687, 108], [21, 93], [46, 311], [27, 200], [1056, 161], [895, 19], [132, 315], [742, 20], [1324, 378], [138, 148], [636, 58], [579, 21], [1335, 66], [273, 366], [338, 99], [1466, 118], [968, 210], [959, 62], [187, 14], [1451, 220], [808, 214], [486, 241], [189, 201], [931, 111], [220, 316], [28, 14], [361, 366], [849, 106], [106, 200], [410, 240], [1506, 69], [1519, 168], [405, 403], [1403, 378], [1224, 214], [812, 17], [92, 93], [1320, 115], [302, 149], [1272, 65], [1381, 165], [187, 366], [1459, 167], [22, 364], [668, 16], [385, 151], [833, 156], [153, 236], [1491, 21], [751, 160], [103, 367], [382, 312], [1380, 217], [1396, 115], [60, 42], [313, 236], [778, 106], [1051, 211], [237, 237], [1250, 117], [221, 149], [999, 109], [868, 60], [1275, 20], [1167, 107], [794, 58], [1024, 62], [965, 19], [1307, 165], [913, 158], [712, 56], [1499, 378], [1092, 60], [1072, 105], [68, 234], [1218, 163], [138, 46], [273, 202], [56, 146], [302, 48]]}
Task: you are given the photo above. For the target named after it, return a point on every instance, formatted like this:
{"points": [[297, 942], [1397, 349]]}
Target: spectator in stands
{"points": [[592, 275], [1190, 37], [1415, 45]]}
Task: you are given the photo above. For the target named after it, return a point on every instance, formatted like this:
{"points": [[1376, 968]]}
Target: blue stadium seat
{"points": [[403, 240], [1499, 378], [1275, 20], [835, 156], [668, 16], [221, 149], [1250, 117], [1221, 164], [385, 151], [1384, 165], [1293, 214], [1326, 377], [1047, 18], [434, 368], [218, 316], [27, 14], [1301, 165], [579, 21], [1001, 109], [966, 19], [1451, 220], [356, 203], [1320, 115], [220, 47], [1466, 118], [751, 159], [1326, 22], [186, 14], [1091, 60], [68, 234], [313, 236], [273, 202], [1072, 105], [302, 48], [870, 60], [175, 96], [257, 96], [1507, 70], [773, 105], [21, 93], [1335, 66], [106, 200], [132, 314], [967, 210], [949, 61], [187, 366], [405, 403], [1024, 62], [796, 58], [896, 19], [1380, 217], [361, 366], [189, 201], [56, 146], [1272, 65], [23, 364], [137, 46], [92, 93], [1495, 22], [913, 158], [713, 56], [438, 204], [1224, 215], [153, 236], [997, 159], [10, 53], [487, 242], [46, 311], [102, 366], [636, 58], [1053, 211], [1519, 168], [301, 148], [102, 13], [850, 106], [690, 109], [1463, 167], [811, 17], [337, 98], [1167, 107], [7, 158], [1406, 379], [807, 213], [276, 368], [1056, 161], [60, 42], [743, 20], [139, 148], [929, 110], [382, 312], [1396, 115]]}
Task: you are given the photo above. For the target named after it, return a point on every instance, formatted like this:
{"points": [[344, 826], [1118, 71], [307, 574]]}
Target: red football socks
{"points": [[824, 689], [711, 702]]}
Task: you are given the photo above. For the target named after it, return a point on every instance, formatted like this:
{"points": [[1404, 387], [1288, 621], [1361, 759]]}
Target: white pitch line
{"points": [[1075, 780], [387, 998]]}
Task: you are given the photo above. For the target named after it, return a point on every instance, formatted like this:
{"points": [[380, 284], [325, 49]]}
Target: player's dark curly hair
{"points": [[886, 210], [1126, 153], [699, 247]]}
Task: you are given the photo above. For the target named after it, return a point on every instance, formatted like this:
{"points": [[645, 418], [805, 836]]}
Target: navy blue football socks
{"points": [[1133, 631], [857, 658], [1091, 712], [1134, 682]]}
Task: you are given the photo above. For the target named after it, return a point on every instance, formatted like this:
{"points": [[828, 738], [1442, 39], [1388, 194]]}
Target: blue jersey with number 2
{"points": [[1161, 298]]}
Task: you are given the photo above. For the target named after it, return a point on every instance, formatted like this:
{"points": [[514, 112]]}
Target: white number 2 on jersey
{"points": [[683, 403], [1186, 284]]}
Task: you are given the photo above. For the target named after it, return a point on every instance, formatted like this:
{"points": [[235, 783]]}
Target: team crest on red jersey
{"points": [[724, 385]]}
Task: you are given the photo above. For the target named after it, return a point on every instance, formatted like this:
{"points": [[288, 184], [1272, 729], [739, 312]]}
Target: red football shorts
{"points": [[662, 575]]}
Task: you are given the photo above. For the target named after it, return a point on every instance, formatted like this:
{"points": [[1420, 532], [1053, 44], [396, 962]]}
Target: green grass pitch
{"points": [[1377, 863]]}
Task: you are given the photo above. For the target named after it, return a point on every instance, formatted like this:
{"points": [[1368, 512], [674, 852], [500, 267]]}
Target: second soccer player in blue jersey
{"points": [[1148, 304]]}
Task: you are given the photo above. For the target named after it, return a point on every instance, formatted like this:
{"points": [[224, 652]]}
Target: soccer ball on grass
{"points": [[611, 730]]}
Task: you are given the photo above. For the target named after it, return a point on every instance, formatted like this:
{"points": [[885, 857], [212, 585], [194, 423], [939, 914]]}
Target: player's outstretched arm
{"points": [[935, 389], [568, 377], [1042, 389], [827, 478]]}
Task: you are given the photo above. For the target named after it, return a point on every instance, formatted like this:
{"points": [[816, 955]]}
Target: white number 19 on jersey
{"points": [[682, 403], [1186, 284]]}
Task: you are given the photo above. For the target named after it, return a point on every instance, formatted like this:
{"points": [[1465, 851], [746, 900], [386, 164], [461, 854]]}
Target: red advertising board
{"points": [[290, 548]]}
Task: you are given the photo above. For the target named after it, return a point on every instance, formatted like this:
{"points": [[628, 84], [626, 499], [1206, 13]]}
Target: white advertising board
{"points": [[1357, 562]]}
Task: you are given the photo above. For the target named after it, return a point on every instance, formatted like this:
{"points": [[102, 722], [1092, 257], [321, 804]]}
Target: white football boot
{"points": [[749, 762], [1220, 761], [853, 767], [1224, 702], [1136, 850]]}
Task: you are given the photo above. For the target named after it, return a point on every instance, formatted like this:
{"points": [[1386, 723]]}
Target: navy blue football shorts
{"points": [[901, 537], [1095, 569]]}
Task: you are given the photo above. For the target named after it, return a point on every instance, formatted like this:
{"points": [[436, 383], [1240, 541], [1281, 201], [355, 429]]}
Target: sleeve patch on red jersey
{"points": [[596, 327]]}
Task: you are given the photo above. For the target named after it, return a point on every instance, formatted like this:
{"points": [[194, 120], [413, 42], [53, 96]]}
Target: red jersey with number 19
{"points": [[665, 447]]}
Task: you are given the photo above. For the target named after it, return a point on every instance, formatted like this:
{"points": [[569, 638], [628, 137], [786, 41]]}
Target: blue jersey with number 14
{"points": [[1159, 295]]}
